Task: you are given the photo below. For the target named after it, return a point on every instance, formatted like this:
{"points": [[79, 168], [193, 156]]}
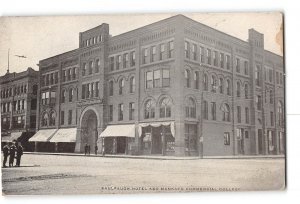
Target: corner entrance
{"points": [[89, 132]]}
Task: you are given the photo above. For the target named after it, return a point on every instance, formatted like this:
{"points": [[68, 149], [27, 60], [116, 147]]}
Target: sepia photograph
{"points": [[142, 103]]}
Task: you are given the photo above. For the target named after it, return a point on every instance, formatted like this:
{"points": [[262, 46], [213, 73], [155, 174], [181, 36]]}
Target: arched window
{"points": [[121, 86], [196, 79], [45, 119], [91, 64], [246, 91], [280, 113], [132, 84], [187, 76], [221, 85], [190, 108], [228, 91], [205, 82], [226, 112], [165, 108], [97, 66], [213, 83], [52, 119], [149, 109], [111, 87], [238, 89]]}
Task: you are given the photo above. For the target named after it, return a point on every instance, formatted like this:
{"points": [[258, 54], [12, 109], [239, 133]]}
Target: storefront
{"points": [[64, 140], [41, 140]]}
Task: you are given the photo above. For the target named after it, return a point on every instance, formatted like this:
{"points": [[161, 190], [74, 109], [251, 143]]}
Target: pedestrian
{"points": [[96, 149], [89, 149], [19, 154], [86, 149], [5, 151], [12, 152]]}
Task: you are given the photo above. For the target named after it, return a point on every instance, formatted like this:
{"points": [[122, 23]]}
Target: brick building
{"points": [[18, 106], [174, 87]]}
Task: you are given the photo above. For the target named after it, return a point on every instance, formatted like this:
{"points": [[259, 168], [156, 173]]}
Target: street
{"points": [[56, 174]]}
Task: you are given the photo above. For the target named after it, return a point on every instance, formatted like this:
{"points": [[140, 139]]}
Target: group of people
{"points": [[15, 151], [87, 149]]}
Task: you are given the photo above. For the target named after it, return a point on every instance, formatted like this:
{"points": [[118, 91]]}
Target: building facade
{"points": [[18, 106], [175, 87]]}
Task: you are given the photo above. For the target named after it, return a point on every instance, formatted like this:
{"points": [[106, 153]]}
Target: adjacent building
{"points": [[18, 106], [175, 87]]}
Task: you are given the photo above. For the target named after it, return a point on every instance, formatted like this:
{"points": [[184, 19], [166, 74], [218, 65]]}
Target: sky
{"points": [[38, 38]]}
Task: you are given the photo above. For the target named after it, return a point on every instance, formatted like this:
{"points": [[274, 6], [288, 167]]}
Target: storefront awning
{"points": [[13, 136], [119, 131], [43, 135], [157, 124], [64, 135]]}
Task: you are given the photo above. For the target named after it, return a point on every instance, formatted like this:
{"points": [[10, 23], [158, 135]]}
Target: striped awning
{"points": [[119, 131], [43, 135], [65, 135]]}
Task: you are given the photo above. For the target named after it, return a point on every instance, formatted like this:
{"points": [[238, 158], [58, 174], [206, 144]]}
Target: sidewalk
{"points": [[160, 157]]}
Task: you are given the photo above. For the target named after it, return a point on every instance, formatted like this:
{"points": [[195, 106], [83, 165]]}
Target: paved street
{"points": [[55, 174]]}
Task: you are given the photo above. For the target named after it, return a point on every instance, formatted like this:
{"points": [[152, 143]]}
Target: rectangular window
{"points": [[227, 61], [171, 49], [281, 78], [166, 78], [272, 118], [213, 110], [83, 91], [111, 113], [258, 102], [187, 49], [112, 63], [226, 138], [239, 114], [69, 74], [145, 55], [153, 53], [202, 54], [131, 111], [118, 62], [125, 60], [246, 67], [161, 51], [238, 65], [70, 117], [208, 56], [62, 117], [194, 52], [270, 75], [156, 78], [64, 75], [258, 76], [149, 80], [97, 89], [215, 58], [222, 59], [132, 58], [120, 111], [247, 115]]}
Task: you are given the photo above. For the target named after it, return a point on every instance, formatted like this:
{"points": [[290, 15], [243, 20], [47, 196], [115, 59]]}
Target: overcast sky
{"points": [[42, 37]]}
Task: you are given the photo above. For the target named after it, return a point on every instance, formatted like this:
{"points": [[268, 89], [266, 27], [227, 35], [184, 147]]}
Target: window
{"points": [[111, 88], [62, 117], [246, 67], [246, 91], [196, 79], [52, 118], [280, 114], [215, 58], [165, 78], [45, 119], [258, 102], [132, 85], [213, 110], [190, 108], [52, 97], [118, 62], [281, 78], [161, 51], [238, 89], [213, 82], [171, 49], [156, 78], [205, 82], [149, 80], [227, 61], [121, 86], [187, 78], [84, 68], [190, 134], [221, 85], [271, 97], [145, 54], [165, 108], [239, 114], [226, 112], [120, 111], [132, 58], [125, 60], [247, 115], [63, 96], [187, 49], [208, 56], [112, 63], [258, 76], [194, 52], [222, 60], [131, 111], [47, 81], [152, 54], [202, 54], [205, 110], [228, 91], [149, 109], [226, 138], [97, 66], [33, 104], [238, 65], [272, 118], [270, 75], [70, 117], [111, 113]]}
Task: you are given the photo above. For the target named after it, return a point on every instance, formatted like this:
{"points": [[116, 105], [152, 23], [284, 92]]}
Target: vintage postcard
{"points": [[142, 103]]}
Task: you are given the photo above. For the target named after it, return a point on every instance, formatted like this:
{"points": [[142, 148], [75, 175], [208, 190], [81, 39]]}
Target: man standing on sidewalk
{"points": [[19, 154], [12, 152], [5, 151], [86, 149], [96, 149]]}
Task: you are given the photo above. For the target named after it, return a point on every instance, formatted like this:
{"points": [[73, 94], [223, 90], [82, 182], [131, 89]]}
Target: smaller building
{"points": [[18, 106]]}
